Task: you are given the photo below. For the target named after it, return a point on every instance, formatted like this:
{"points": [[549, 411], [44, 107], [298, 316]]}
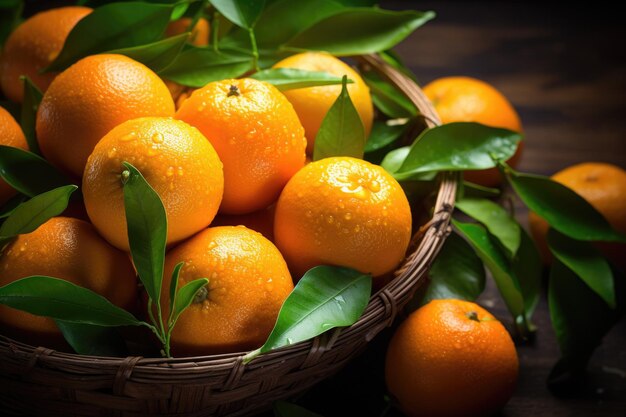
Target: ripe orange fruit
{"points": [[33, 45], [261, 221], [176, 160], [69, 249], [89, 99], [248, 282], [257, 135], [10, 135], [343, 211], [451, 358], [199, 34], [465, 99], [604, 187], [312, 103]]}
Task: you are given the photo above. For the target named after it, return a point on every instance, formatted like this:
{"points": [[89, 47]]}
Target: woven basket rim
{"points": [[380, 312]]}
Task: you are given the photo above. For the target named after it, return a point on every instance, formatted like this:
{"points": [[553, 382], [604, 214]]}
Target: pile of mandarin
{"points": [[246, 207]]}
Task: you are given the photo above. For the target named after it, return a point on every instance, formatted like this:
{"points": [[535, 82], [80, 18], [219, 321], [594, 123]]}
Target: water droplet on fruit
{"points": [[157, 137]]}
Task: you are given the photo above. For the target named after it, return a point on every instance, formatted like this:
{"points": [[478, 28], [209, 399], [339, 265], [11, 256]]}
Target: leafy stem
{"points": [[255, 50], [215, 30]]}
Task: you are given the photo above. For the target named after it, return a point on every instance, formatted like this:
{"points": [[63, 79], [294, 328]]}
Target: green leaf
{"points": [[497, 220], [31, 214], [10, 12], [457, 272], [185, 296], [324, 298], [383, 134], [87, 339], [243, 13], [285, 409], [62, 300], [469, 189], [497, 263], [580, 319], [342, 132], [562, 208], [528, 268], [174, 285], [196, 67], [135, 23], [11, 205], [30, 104], [586, 262], [387, 98], [292, 78], [28, 173], [147, 230], [356, 31], [156, 55], [394, 159], [459, 146], [283, 19]]}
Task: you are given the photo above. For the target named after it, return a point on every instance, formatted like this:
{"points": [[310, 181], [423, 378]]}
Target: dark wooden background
{"points": [[563, 67]]}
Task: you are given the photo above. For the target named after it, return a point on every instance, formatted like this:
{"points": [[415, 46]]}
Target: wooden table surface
{"points": [[563, 68]]}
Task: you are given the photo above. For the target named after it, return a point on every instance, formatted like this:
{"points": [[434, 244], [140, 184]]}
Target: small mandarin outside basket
{"points": [[42, 382]]}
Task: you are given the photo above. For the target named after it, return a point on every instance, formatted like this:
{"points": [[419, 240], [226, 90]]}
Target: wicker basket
{"points": [[42, 382]]}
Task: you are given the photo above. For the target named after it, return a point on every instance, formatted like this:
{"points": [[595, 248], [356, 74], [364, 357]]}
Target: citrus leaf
{"points": [[457, 272], [87, 339], [394, 159], [156, 55], [580, 319], [174, 285], [471, 190], [324, 298], [384, 134], [243, 13], [135, 23], [147, 230], [28, 173], [562, 208], [31, 214], [341, 132], [196, 67], [584, 260], [496, 261], [357, 31], [32, 98], [11, 205], [496, 219], [285, 409], [387, 98], [10, 12], [62, 300], [528, 269], [459, 146], [185, 296], [292, 78]]}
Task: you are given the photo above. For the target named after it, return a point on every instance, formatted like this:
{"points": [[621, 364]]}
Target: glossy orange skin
{"points": [[248, 282], [440, 363], [69, 249], [199, 35], [343, 211], [466, 99], [257, 135], [313, 103], [89, 99], [175, 159], [604, 187], [10, 135], [33, 45]]}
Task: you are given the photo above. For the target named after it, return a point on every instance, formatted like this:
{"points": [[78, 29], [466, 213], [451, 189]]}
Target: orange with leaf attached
{"points": [[11, 134]]}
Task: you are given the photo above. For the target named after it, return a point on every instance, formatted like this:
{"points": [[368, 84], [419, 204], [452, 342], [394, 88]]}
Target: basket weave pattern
{"points": [[39, 381]]}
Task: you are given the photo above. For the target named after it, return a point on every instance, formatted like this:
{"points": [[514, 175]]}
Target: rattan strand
{"points": [[41, 382]]}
